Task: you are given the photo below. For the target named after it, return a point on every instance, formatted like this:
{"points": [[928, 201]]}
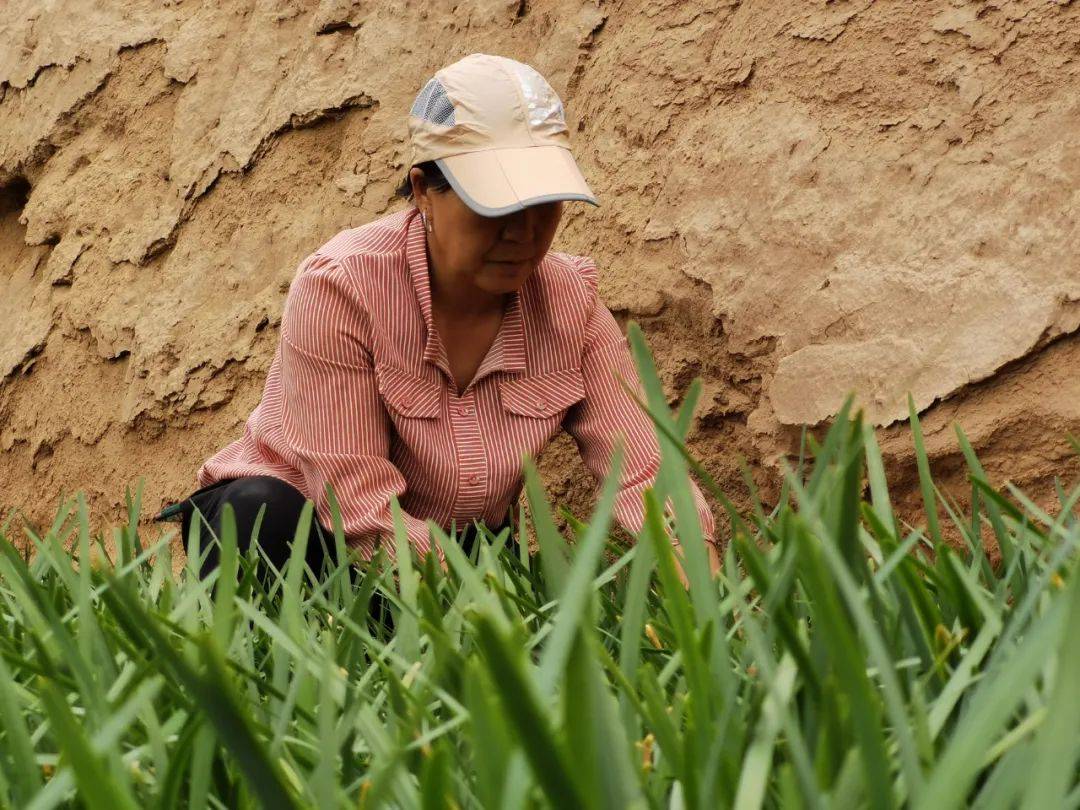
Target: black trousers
{"points": [[283, 504]]}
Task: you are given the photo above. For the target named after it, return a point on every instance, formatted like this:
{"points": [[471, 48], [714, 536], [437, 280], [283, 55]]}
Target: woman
{"points": [[422, 354]]}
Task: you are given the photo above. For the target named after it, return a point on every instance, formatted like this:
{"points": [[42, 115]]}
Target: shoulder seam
{"points": [[337, 265]]}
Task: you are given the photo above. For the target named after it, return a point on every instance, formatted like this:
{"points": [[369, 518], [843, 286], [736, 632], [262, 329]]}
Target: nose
{"points": [[520, 225]]}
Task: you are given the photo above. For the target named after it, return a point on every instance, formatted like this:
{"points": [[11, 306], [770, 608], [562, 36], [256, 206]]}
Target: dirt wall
{"points": [[798, 200]]}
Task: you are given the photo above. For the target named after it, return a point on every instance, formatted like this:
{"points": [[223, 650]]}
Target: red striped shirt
{"points": [[360, 394]]}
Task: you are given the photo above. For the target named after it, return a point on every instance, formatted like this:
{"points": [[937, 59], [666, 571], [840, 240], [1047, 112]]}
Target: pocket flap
{"points": [[542, 395], [408, 394]]}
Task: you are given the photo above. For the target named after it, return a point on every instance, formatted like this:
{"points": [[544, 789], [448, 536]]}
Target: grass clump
{"points": [[840, 658]]}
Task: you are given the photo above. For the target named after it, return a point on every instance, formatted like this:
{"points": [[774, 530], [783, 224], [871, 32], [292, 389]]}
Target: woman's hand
{"points": [[714, 562]]}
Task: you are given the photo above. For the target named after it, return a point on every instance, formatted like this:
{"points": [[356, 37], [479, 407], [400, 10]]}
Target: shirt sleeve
{"points": [[333, 417], [608, 410]]}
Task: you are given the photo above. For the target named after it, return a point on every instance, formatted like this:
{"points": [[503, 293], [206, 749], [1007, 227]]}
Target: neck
{"points": [[456, 295]]}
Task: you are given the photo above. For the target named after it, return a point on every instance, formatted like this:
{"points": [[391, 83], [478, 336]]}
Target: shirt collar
{"points": [[507, 353]]}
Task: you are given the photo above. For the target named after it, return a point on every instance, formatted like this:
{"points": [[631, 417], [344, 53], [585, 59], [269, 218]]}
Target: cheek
{"points": [[469, 250], [550, 225], [545, 236]]}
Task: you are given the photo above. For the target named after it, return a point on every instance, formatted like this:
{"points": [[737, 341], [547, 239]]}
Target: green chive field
{"points": [[841, 658]]}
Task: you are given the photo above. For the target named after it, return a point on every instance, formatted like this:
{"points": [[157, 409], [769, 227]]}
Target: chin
{"points": [[502, 287], [507, 280]]}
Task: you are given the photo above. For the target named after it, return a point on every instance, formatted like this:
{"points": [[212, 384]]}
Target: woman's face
{"points": [[494, 254]]}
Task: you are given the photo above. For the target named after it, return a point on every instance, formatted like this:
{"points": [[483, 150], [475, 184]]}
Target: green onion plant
{"points": [[841, 657]]}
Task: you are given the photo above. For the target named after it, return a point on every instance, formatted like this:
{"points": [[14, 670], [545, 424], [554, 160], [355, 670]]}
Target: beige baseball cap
{"points": [[496, 130]]}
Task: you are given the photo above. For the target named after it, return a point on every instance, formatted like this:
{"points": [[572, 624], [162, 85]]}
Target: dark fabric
{"points": [[278, 527], [247, 495]]}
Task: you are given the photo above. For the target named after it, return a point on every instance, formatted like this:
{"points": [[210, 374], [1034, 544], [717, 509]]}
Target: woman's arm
{"points": [[333, 417], [608, 410]]}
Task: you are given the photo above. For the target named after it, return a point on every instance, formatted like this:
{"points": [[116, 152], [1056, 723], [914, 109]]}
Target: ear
{"points": [[419, 185]]}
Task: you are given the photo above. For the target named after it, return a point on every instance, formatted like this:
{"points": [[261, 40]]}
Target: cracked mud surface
{"points": [[797, 200]]}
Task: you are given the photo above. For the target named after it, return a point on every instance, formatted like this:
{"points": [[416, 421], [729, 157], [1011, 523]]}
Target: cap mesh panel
{"points": [[433, 104]]}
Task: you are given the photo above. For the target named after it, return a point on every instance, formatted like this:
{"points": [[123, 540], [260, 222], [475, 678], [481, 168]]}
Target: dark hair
{"points": [[432, 174]]}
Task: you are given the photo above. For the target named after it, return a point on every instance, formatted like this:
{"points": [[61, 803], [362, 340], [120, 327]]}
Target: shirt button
{"points": [[540, 404], [406, 402], [474, 478]]}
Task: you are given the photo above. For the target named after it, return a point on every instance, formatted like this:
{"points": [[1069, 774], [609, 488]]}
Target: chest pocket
{"points": [[542, 396], [407, 394]]}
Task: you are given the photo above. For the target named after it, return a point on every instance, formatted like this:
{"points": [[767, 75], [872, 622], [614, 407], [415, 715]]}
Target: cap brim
{"points": [[495, 182]]}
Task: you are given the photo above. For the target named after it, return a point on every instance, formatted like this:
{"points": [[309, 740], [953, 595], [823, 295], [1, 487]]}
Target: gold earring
{"points": [[427, 223]]}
